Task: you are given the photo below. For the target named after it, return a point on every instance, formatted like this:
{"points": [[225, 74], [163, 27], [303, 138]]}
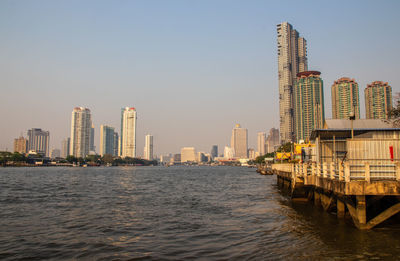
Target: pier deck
{"points": [[369, 193]]}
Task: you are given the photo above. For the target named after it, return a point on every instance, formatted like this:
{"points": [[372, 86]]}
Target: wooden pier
{"points": [[368, 192]]}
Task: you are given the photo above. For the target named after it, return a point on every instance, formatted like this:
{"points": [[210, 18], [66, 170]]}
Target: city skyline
{"points": [[191, 83]]}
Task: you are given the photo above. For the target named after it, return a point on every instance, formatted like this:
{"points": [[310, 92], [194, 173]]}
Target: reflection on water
{"points": [[170, 213]]}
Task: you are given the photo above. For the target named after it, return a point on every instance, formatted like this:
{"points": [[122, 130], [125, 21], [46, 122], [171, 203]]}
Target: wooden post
{"points": [[340, 172], [347, 172], [367, 172], [398, 171], [324, 169], [313, 169], [361, 210], [332, 171], [340, 209], [319, 169]]}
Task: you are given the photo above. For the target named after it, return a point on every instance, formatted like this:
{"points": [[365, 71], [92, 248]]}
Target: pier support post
{"points": [[326, 201], [361, 210], [317, 198], [341, 209]]}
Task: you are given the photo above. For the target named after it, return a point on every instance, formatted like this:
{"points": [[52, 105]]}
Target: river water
{"points": [[175, 213]]}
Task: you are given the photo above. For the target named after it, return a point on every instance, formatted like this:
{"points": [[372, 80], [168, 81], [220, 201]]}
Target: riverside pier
{"points": [[351, 172]]}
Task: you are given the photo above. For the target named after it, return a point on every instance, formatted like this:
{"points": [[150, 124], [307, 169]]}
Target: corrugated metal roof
{"points": [[357, 124]]}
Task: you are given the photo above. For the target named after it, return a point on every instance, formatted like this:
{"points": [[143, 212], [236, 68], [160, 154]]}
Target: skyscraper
{"points": [[239, 142], [188, 154], [261, 143], [345, 99], [38, 140], [214, 151], [107, 140], [65, 146], [91, 145], [21, 145], [116, 144], [81, 124], [378, 100], [128, 132], [272, 140], [292, 59], [148, 147], [309, 103]]}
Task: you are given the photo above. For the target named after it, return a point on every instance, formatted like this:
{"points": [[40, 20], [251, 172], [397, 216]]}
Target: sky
{"points": [[192, 69]]}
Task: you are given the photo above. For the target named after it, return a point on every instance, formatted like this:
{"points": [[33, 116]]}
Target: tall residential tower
{"points": [[148, 147], [81, 126], [239, 142], [292, 59], [378, 100], [345, 99], [38, 140], [309, 104], [128, 132]]}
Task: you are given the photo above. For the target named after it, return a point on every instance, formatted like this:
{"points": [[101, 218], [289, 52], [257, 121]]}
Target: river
{"points": [[175, 213]]}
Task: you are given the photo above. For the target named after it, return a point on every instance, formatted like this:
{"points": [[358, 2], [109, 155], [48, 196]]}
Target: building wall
{"points": [[261, 143], [345, 99], [65, 146], [292, 58], [378, 100], [21, 145], [148, 147]]}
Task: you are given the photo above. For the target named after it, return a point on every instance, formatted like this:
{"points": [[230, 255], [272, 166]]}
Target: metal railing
{"points": [[347, 171]]}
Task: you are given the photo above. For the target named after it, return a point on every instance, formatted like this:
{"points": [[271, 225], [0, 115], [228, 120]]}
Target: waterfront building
{"points": [[201, 157], [309, 103], [116, 144], [214, 151], [38, 141], [188, 154], [81, 124], [148, 147], [176, 158], [261, 143], [128, 132], [239, 141], [92, 148], [65, 144], [55, 153], [378, 100], [272, 140], [252, 154], [21, 145], [107, 142], [292, 59], [345, 99], [228, 153]]}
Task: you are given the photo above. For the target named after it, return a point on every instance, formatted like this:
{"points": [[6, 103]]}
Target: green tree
{"points": [[71, 159], [394, 113], [107, 158], [287, 147]]}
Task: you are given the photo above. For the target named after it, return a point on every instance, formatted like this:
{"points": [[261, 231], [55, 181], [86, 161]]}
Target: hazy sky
{"points": [[192, 69]]}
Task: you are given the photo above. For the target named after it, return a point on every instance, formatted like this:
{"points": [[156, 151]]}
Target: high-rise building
{"points": [[38, 140], [148, 147], [188, 154], [239, 142], [309, 103], [65, 146], [107, 142], [121, 133], [214, 151], [261, 143], [378, 100], [128, 132], [55, 153], [21, 145], [272, 140], [91, 145], [345, 99], [228, 153], [81, 125], [116, 144], [292, 59], [252, 153]]}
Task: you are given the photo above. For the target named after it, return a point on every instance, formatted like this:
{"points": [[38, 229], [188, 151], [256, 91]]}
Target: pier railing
{"points": [[347, 171]]}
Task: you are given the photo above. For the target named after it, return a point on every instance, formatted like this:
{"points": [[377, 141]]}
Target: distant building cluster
{"points": [[301, 93]]}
